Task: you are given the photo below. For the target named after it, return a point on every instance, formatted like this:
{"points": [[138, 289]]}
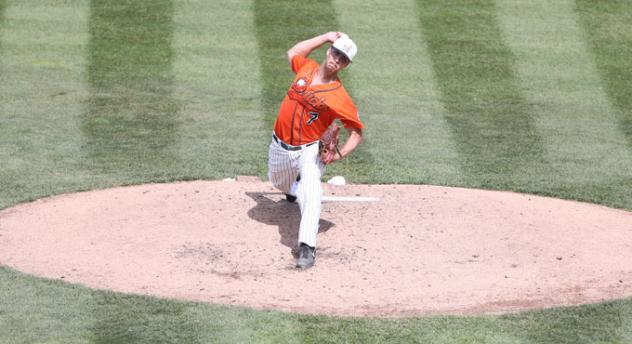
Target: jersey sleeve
{"points": [[299, 62], [348, 114], [351, 119]]}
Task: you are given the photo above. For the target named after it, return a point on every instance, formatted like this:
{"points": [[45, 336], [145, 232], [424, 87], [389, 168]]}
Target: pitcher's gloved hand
{"points": [[329, 144]]}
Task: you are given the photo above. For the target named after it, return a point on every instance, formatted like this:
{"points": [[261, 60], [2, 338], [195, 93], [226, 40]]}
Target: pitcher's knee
{"points": [[310, 172], [281, 185]]}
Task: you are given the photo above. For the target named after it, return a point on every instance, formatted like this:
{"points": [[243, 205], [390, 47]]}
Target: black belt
{"points": [[288, 147]]}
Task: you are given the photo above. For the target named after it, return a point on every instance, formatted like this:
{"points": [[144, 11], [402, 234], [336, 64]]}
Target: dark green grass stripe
{"points": [[607, 26], [131, 113], [488, 115], [134, 319], [280, 24], [3, 5]]}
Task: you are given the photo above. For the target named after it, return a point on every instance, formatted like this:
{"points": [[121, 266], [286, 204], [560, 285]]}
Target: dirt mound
{"points": [[416, 250]]}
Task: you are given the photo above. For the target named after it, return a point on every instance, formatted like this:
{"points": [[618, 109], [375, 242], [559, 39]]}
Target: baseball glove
{"points": [[329, 144]]}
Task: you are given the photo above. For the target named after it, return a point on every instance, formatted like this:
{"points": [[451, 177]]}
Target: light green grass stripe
{"points": [[579, 128], [42, 90], [217, 83], [395, 91]]}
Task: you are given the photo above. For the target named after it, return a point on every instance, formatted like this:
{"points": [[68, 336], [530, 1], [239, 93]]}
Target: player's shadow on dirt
{"points": [[281, 213]]}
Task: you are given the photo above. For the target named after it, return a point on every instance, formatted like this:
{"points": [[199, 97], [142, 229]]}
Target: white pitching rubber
{"points": [[349, 199]]}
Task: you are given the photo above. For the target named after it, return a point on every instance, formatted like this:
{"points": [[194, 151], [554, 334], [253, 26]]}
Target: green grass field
{"points": [[532, 96]]}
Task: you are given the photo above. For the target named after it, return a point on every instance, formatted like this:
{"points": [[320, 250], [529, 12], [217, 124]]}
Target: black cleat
{"points": [[306, 256]]}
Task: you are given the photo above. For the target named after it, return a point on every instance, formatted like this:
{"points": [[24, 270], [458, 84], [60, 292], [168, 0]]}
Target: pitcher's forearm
{"points": [[353, 141], [304, 48]]}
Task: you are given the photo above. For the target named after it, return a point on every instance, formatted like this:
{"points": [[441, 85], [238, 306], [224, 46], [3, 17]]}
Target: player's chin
{"points": [[334, 67]]}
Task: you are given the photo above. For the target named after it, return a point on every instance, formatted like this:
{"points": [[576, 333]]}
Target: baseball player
{"points": [[314, 100]]}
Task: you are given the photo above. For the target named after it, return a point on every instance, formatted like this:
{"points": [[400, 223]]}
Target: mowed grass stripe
{"points": [[134, 319], [42, 91], [489, 117], [3, 5], [394, 89], [42, 64], [606, 24], [217, 83], [130, 121], [584, 146]]}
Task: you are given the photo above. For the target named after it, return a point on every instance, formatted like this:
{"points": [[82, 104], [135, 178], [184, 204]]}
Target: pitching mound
{"points": [[418, 250]]}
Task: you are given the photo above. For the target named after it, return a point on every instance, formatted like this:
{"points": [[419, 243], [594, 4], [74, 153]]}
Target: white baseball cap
{"points": [[345, 45]]}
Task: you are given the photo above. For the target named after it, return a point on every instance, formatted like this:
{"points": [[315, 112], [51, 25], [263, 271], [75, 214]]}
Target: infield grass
{"points": [[529, 96]]}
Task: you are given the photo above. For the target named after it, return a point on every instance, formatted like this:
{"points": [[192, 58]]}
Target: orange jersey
{"points": [[307, 111]]}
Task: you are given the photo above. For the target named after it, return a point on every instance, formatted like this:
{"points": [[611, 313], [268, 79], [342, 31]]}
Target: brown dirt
{"points": [[418, 250]]}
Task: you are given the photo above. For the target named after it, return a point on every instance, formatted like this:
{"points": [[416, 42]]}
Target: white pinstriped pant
{"points": [[283, 168]]}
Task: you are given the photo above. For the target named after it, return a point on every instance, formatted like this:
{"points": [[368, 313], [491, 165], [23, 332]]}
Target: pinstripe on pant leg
{"points": [[282, 167], [309, 195]]}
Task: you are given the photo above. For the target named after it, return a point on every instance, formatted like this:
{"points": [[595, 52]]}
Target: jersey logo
{"points": [[313, 116], [308, 99]]}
